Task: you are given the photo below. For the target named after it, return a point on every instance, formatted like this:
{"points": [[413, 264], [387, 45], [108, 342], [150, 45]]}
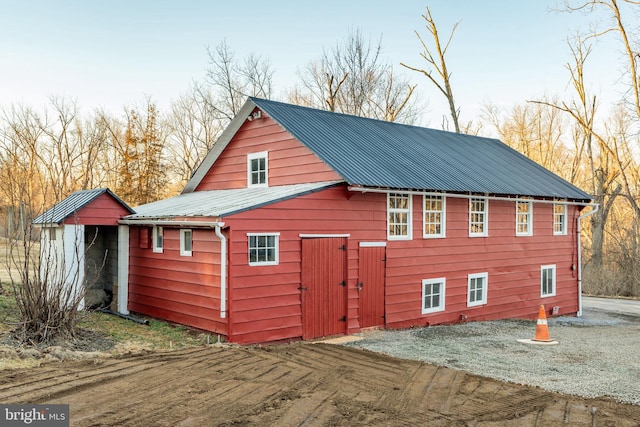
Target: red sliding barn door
{"points": [[371, 284], [324, 287]]}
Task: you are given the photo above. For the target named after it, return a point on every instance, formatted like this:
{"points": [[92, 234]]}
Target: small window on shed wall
{"points": [[263, 248], [186, 242], [158, 239], [258, 169], [53, 234]]}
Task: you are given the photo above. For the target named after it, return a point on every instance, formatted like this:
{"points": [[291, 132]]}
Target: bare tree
{"points": [[232, 82], [194, 126], [436, 62], [352, 78]]}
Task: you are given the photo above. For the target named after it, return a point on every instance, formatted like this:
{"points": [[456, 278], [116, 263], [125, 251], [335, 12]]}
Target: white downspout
{"points": [[578, 231], [223, 270]]}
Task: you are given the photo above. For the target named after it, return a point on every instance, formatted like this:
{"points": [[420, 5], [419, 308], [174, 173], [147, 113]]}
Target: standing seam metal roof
{"points": [[72, 204], [374, 153]]}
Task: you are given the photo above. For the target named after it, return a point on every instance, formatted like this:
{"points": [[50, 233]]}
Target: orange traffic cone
{"points": [[542, 329]]}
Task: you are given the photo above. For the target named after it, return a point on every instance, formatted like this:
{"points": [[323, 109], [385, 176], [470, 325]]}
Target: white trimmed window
{"points": [[398, 216], [524, 218], [263, 248], [433, 292], [477, 289], [559, 219], [186, 242], [478, 217], [53, 234], [434, 216], [158, 239], [258, 169], [548, 281]]}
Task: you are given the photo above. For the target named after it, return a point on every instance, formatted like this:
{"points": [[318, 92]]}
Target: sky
{"points": [[110, 54]]}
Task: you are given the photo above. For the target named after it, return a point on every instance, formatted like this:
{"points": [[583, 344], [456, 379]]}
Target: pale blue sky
{"points": [[113, 53]]}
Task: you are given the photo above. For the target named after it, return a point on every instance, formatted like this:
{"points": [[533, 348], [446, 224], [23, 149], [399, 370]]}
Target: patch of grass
{"points": [[129, 336], [8, 309]]}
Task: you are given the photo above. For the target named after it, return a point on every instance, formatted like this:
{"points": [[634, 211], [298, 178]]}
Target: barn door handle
{"points": [[360, 285], [302, 288]]}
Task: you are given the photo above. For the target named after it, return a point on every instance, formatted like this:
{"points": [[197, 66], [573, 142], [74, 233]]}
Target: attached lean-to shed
{"points": [[83, 245]]}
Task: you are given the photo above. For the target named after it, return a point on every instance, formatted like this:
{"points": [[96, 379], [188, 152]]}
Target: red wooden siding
{"points": [[324, 285], [289, 161], [371, 285], [104, 210], [177, 288], [266, 302]]}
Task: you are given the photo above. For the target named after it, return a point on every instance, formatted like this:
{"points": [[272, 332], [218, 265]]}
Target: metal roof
{"points": [[72, 204], [220, 203], [374, 153]]}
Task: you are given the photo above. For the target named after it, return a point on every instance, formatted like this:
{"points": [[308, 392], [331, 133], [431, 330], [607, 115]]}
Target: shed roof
{"points": [[74, 203], [380, 154], [220, 203]]}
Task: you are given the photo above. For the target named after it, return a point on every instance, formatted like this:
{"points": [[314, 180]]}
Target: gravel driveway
{"points": [[598, 354]]}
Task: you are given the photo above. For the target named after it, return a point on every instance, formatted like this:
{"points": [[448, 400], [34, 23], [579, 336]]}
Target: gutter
{"points": [[578, 231], [217, 226], [467, 196]]}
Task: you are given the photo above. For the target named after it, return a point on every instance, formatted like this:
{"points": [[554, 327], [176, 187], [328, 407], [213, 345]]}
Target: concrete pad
{"points": [[530, 341]]}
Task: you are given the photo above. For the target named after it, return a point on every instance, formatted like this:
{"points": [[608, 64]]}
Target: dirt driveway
{"points": [[293, 385]]}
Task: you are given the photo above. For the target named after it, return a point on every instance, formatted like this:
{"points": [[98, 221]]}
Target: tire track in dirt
{"points": [[292, 385]]}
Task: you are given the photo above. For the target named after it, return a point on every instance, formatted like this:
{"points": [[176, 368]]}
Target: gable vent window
{"points": [[258, 169]]}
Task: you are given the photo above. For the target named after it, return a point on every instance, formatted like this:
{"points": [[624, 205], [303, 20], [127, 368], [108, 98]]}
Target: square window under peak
{"points": [[258, 169]]}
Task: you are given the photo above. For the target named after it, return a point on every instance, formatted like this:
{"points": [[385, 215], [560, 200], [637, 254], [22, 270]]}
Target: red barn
{"points": [[303, 223]]}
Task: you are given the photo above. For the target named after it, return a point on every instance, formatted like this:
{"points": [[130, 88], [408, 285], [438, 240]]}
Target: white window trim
{"points": [[551, 267], [253, 156], [158, 247], [441, 307], [563, 232], [485, 289], [443, 218], [408, 211], [277, 249], [485, 222], [529, 231], [183, 251]]}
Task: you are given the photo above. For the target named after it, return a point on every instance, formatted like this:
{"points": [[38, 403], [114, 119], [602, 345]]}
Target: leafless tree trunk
{"points": [[436, 61]]}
